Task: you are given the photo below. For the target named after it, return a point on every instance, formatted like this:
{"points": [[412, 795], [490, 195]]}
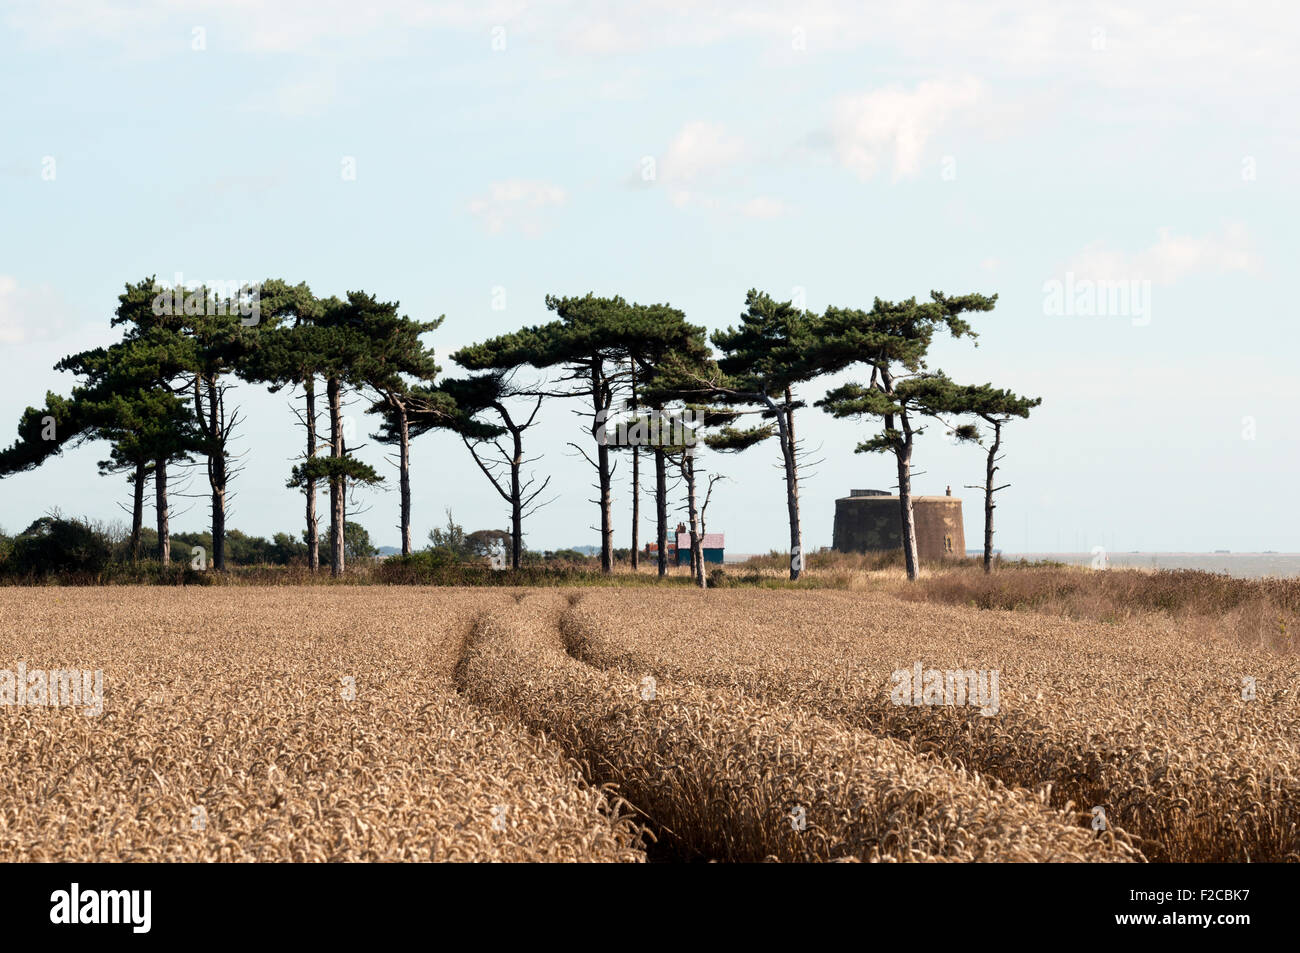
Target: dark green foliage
{"points": [[324, 468], [356, 543], [486, 542], [926, 395], [772, 348], [892, 334], [31, 449], [451, 540], [53, 545]]}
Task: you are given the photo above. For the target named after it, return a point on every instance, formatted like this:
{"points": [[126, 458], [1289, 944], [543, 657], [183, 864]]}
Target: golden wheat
{"points": [[1131, 718], [407, 723], [726, 777], [227, 734]]}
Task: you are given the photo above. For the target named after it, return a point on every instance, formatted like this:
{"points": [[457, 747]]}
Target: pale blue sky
{"points": [[845, 151]]}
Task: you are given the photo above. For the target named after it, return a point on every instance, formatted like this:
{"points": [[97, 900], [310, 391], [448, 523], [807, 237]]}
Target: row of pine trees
{"points": [[160, 398]]}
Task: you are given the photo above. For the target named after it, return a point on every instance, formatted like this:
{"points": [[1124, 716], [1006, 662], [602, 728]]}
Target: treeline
{"points": [[81, 550], [55, 544], [648, 383]]}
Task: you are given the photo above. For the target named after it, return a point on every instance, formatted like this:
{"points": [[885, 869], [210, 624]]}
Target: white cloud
{"points": [[309, 95], [517, 203], [1159, 40], [759, 206], [1180, 58], [692, 168], [250, 25], [27, 314], [893, 126], [600, 37], [1171, 258], [700, 149], [764, 206]]}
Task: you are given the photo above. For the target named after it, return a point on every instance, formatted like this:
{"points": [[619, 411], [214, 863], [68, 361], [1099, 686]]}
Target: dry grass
{"points": [[1255, 611]]}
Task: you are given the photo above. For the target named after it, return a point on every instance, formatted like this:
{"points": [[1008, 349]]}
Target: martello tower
{"points": [[872, 520]]}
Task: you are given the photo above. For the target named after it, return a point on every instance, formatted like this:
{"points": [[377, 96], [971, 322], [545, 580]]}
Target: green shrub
{"points": [[53, 545]]}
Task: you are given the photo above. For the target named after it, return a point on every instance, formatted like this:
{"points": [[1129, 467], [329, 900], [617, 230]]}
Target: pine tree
{"points": [[163, 358], [126, 396], [996, 407], [292, 353], [222, 342], [344, 347], [764, 359], [675, 380], [893, 339], [393, 356], [594, 340], [481, 410]]}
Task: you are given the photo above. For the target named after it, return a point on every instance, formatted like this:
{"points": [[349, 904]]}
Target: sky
{"points": [[1123, 176]]}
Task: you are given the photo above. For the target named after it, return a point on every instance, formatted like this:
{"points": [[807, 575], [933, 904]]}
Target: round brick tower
{"points": [[872, 520]]}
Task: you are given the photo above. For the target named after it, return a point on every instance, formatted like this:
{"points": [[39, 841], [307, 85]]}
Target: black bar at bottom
{"points": [[917, 903]]}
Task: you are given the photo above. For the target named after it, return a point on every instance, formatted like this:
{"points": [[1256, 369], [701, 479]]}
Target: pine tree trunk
{"points": [[697, 552], [313, 528], [405, 481], [636, 487], [903, 454], [785, 431], [606, 512], [516, 500], [661, 509], [160, 503], [792, 481], [137, 509], [219, 528], [903, 457], [602, 402], [636, 508], [905, 504], [989, 470], [337, 513], [792, 512], [217, 474]]}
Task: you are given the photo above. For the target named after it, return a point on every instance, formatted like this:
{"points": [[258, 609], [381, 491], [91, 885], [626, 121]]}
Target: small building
{"points": [[711, 545], [679, 549]]}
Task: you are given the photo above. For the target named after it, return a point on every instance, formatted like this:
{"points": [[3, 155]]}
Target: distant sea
{"points": [[1242, 565]]}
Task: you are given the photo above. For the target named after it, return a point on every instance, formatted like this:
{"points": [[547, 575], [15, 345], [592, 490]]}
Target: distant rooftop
{"points": [[881, 495]]}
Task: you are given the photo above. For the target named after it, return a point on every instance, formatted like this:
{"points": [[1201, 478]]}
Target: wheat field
{"points": [[416, 724]]}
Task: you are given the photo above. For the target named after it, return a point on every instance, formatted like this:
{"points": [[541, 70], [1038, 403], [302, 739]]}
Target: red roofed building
{"points": [[679, 551]]}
